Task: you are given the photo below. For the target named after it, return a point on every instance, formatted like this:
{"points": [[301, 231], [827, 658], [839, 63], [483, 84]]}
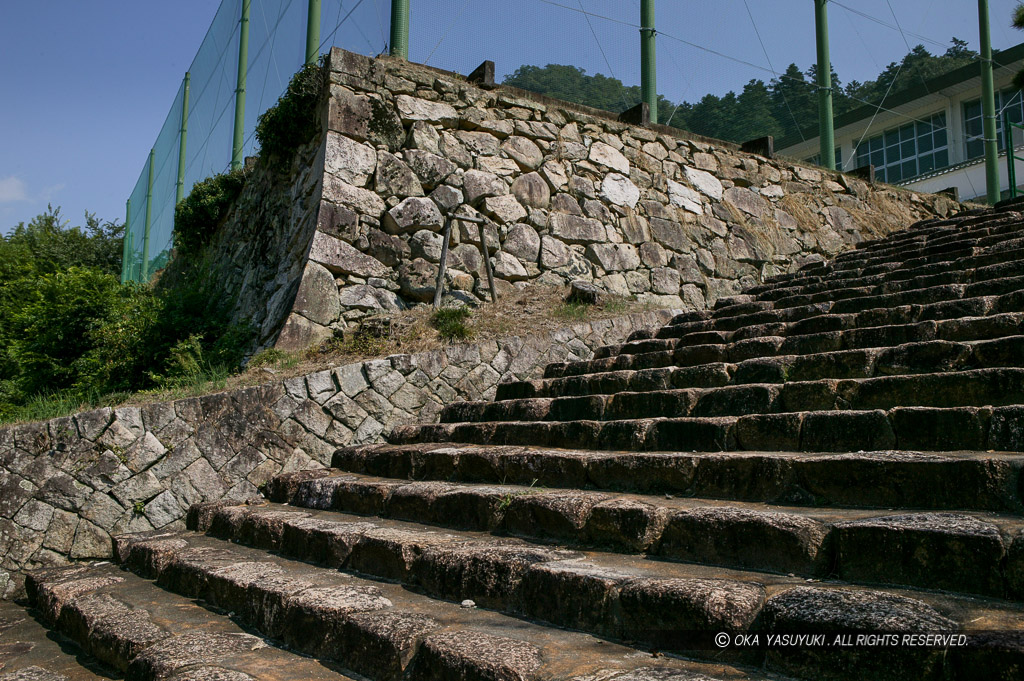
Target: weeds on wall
{"points": [[294, 120], [199, 214]]}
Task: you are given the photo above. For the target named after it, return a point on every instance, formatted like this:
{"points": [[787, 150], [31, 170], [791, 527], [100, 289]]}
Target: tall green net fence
{"points": [[733, 69]]}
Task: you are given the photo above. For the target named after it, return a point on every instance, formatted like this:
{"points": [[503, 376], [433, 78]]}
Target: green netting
{"points": [[722, 72], [132, 266]]}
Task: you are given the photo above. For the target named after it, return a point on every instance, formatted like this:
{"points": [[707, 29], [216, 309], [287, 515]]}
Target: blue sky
{"points": [[88, 84]]}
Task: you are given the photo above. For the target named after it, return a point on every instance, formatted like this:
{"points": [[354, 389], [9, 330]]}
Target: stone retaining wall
{"points": [[572, 192], [68, 484]]}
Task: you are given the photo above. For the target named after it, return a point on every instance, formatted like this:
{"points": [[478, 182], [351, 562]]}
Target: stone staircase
{"points": [[835, 453]]}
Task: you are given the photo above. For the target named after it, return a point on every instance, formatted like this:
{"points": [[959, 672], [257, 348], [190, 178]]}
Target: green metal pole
{"points": [[1011, 160], [149, 214], [648, 61], [243, 68], [179, 193], [400, 29], [313, 31], [988, 107], [826, 131], [124, 242]]}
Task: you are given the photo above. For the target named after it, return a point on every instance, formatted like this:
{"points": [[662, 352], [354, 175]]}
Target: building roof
{"points": [[950, 79]]}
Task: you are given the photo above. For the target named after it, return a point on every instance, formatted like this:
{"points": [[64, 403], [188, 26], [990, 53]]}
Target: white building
{"points": [[929, 137]]}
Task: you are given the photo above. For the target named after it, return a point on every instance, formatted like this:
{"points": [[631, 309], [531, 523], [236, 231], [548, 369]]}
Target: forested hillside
{"points": [[782, 107]]}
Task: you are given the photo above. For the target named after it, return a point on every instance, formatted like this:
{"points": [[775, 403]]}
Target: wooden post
{"points": [[487, 262], [439, 287]]}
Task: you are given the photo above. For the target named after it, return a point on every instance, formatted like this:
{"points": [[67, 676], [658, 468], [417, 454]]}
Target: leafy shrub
{"points": [[50, 328], [76, 337], [450, 323], [199, 214], [292, 122]]}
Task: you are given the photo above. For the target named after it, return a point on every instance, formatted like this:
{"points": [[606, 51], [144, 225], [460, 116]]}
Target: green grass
{"points": [[576, 312], [274, 359], [46, 406], [450, 323]]}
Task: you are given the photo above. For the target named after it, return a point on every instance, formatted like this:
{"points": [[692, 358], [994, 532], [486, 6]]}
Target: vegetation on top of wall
{"points": [[199, 214], [293, 121]]}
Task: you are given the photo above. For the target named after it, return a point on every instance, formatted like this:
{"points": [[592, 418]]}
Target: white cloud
{"points": [[12, 189], [49, 192]]}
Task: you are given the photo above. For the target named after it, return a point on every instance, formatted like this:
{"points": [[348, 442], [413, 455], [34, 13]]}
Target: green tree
{"points": [[48, 244], [794, 101], [48, 329]]}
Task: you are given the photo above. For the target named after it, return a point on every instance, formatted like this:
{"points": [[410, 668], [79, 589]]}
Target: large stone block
{"points": [[413, 214], [341, 258], [575, 229], [620, 190], [350, 161], [413, 109], [317, 299], [614, 257]]}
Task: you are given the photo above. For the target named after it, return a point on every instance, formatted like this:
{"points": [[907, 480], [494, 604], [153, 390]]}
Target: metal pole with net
{"points": [[313, 31], [826, 128], [243, 65], [400, 28], [988, 105], [648, 59]]}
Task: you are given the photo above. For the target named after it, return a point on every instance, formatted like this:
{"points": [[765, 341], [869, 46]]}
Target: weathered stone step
{"points": [[909, 245], [946, 309], [624, 597], [950, 551], [998, 327], [967, 388], [851, 300], [895, 269], [30, 652], [887, 479], [906, 428], [893, 282], [147, 633], [379, 629], [948, 246], [700, 333], [904, 359]]}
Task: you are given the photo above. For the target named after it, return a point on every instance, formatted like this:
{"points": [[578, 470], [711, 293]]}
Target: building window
{"points": [[907, 151], [1007, 101]]}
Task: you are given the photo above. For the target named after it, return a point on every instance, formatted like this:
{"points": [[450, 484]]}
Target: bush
{"points": [[450, 323], [293, 121], [50, 327], [199, 214], [77, 337]]}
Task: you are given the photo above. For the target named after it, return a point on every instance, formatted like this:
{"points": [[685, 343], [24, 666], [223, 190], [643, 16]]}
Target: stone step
{"points": [[379, 628], [30, 652], [910, 244], [960, 315], [970, 388], [890, 282], [705, 333], [904, 359], [637, 355], [618, 596], [886, 479], [147, 633], [995, 232], [950, 551], [906, 428], [1001, 249]]}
